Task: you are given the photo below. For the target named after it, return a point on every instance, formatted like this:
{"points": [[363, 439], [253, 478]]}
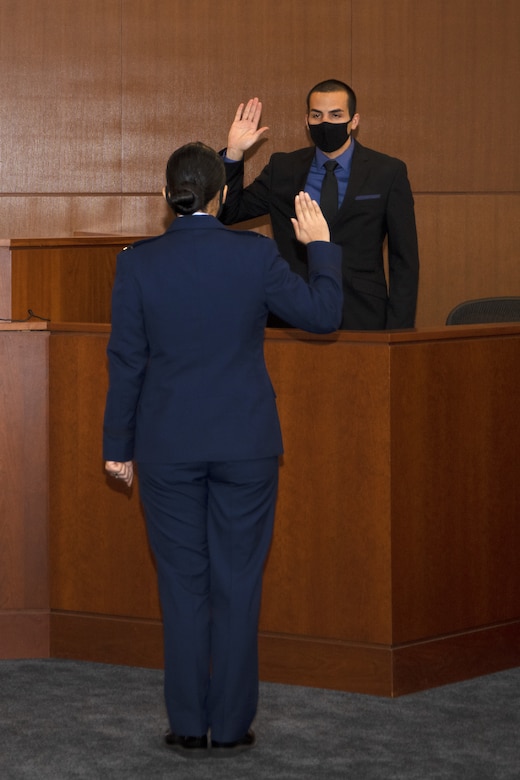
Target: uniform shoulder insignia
{"points": [[143, 241], [253, 235]]}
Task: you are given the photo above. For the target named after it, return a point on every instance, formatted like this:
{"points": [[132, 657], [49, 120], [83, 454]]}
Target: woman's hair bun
{"points": [[194, 175], [186, 198]]}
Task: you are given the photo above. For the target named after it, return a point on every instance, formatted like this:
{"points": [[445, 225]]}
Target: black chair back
{"points": [[482, 310]]}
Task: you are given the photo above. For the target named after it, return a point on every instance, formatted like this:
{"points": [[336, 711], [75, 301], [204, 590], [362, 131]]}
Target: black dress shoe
{"points": [[230, 748], [188, 746]]}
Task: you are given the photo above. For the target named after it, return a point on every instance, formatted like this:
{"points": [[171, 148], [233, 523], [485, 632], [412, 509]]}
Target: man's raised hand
{"points": [[244, 132]]}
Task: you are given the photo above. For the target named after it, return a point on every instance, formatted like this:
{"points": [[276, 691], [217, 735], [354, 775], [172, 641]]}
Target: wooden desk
{"points": [[394, 564], [60, 279]]}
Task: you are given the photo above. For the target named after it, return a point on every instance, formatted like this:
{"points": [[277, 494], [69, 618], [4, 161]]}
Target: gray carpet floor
{"points": [[62, 720]]}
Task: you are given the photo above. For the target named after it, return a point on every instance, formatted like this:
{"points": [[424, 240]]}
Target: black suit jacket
{"points": [[378, 204]]}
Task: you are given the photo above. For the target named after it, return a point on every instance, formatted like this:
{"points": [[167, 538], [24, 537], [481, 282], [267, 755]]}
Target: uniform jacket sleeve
{"points": [[127, 360]]}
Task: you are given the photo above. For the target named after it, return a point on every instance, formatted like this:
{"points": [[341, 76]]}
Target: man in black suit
{"points": [[371, 201]]}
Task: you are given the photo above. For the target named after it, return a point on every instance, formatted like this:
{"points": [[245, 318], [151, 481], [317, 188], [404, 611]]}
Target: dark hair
{"points": [[194, 175], [333, 85]]}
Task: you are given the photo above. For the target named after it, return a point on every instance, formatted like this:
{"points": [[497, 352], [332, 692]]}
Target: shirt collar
{"points": [[344, 160]]}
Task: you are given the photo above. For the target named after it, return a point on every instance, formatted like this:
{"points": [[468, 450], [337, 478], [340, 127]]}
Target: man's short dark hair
{"points": [[333, 85]]}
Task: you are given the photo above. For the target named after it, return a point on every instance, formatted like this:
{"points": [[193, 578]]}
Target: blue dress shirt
{"points": [[317, 173]]}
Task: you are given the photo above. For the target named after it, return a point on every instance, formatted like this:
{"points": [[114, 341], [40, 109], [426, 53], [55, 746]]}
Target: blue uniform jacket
{"points": [[188, 380]]}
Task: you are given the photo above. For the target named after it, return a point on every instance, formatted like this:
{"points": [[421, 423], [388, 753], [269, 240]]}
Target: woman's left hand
{"points": [[123, 471]]}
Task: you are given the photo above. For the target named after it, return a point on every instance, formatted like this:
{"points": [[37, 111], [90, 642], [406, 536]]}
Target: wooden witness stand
{"points": [[394, 563]]}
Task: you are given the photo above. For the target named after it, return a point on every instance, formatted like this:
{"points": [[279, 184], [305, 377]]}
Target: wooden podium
{"points": [[24, 485], [394, 563], [59, 279]]}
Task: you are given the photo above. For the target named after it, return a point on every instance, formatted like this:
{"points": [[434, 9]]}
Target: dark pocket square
{"points": [[367, 197]]}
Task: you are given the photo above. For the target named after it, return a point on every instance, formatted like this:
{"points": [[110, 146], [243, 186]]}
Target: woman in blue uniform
{"points": [[191, 402]]}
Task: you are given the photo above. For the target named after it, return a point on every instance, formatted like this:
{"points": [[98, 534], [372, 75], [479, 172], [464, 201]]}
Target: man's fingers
{"points": [[238, 115], [252, 109], [249, 112]]}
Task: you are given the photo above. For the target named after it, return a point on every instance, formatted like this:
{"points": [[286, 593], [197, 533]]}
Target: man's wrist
{"points": [[235, 155]]}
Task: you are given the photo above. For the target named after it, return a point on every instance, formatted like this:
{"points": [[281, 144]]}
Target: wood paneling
{"points": [[333, 496], [5, 280], [64, 280], [454, 658], [203, 59], [100, 561], [97, 93], [435, 83], [92, 638], [456, 507], [146, 215], [24, 594], [396, 527], [24, 633], [469, 247], [60, 82], [49, 216]]}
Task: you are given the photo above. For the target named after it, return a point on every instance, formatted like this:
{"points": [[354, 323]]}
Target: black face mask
{"points": [[329, 136]]}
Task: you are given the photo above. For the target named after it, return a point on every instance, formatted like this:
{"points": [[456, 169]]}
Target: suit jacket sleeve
{"points": [[242, 204], [127, 361], [403, 254]]}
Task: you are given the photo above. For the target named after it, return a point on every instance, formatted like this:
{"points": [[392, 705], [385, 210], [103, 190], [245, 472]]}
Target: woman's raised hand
{"points": [[309, 224]]}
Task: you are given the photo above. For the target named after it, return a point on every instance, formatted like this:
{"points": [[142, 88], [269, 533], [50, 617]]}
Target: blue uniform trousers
{"points": [[210, 526]]}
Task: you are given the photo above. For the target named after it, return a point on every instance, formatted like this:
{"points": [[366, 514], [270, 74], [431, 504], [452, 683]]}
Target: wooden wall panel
{"points": [[24, 591], [100, 560], [437, 83], [5, 280], [23, 475], [469, 247], [393, 564], [203, 58], [116, 528], [334, 494], [97, 93], [456, 502], [61, 97], [64, 280], [51, 216], [144, 214]]}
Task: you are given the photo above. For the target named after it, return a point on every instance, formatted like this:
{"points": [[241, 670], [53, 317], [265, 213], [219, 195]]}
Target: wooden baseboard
{"points": [[325, 664], [450, 659], [107, 639], [370, 669], [289, 660]]}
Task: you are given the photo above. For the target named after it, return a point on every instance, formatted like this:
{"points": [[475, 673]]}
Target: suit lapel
{"points": [[359, 171], [301, 171]]}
